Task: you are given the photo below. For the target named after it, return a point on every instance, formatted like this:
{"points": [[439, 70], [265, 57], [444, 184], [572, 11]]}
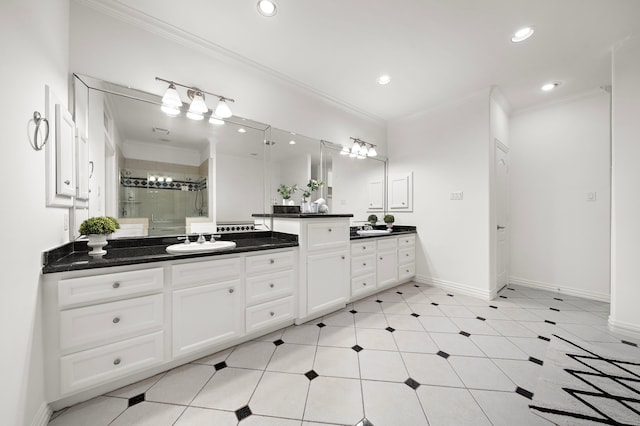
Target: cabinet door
{"points": [[375, 191], [327, 281], [387, 264], [401, 192], [206, 315]]}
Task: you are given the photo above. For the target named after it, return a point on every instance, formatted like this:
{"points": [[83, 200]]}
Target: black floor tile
{"points": [[136, 399], [243, 413], [311, 374], [524, 392], [412, 383], [220, 366], [278, 342], [443, 354], [357, 348]]}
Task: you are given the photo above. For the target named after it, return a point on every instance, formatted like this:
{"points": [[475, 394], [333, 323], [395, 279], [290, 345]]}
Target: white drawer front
{"points": [[387, 244], [88, 368], [270, 286], [327, 235], [406, 255], [406, 240], [108, 322], [363, 284], [212, 271], [269, 313], [363, 265], [99, 288], [406, 271], [363, 247], [262, 263]]}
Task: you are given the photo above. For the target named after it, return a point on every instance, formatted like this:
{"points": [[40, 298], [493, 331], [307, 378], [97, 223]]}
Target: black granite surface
{"points": [[302, 215], [396, 230], [74, 256]]}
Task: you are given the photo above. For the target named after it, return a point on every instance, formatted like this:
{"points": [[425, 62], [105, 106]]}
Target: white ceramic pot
{"points": [[96, 242]]}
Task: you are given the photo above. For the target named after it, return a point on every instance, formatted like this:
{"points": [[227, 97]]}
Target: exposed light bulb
{"points": [[223, 110], [160, 179], [194, 115], [384, 80], [169, 180], [152, 179], [372, 152], [364, 151], [171, 97], [355, 148], [267, 8], [170, 111], [522, 34], [198, 104]]}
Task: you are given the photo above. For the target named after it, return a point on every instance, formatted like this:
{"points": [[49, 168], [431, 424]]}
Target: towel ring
{"points": [[38, 120]]}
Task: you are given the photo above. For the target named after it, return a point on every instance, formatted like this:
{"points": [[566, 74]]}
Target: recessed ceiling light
{"points": [[292, 142], [241, 130], [267, 8], [549, 86], [522, 34], [384, 79]]}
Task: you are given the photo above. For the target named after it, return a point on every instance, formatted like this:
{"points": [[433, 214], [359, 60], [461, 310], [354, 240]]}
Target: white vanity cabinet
{"points": [[406, 257], [207, 304]]}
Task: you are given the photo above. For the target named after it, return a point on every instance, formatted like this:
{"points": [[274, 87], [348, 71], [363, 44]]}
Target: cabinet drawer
{"points": [[212, 271], [406, 271], [99, 288], [406, 255], [327, 235], [259, 264], [361, 265], [109, 322], [99, 365], [270, 286], [387, 244], [363, 284], [406, 240], [266, 314], [363, 247]]}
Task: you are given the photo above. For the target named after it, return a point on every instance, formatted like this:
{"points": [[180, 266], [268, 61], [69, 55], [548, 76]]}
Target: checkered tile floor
{"points": [[412, 355]]}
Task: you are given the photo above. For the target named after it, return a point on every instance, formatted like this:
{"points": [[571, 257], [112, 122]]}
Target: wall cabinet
{"points": [[401, 192]]}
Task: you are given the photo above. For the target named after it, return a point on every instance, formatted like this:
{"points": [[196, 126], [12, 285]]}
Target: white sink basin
{"points": [[183, 248], [371, 232]]}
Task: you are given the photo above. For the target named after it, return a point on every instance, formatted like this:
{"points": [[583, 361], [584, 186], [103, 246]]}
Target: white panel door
{"points": [[327, 281], [502, 215]]}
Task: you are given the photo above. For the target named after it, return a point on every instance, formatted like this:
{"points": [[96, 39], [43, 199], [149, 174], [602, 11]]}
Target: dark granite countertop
{"points": [[302, 215], [74, 256], [397, 230]]}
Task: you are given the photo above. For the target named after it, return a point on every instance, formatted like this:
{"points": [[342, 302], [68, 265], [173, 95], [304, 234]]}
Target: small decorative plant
{"points": [[287, 190], [389, 219], [372, 219], [312, 186], [102, 225]]}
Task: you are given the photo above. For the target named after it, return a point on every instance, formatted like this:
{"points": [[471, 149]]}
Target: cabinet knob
{"points": [[116, 320], [364, 284], [272, 313], [271, 261], [342, 257], [381, 258], [116, 361], [407, 254], [364, 263], [403, 203], [330, 229], [116, 285], [271, 285], [407, 270], [231, 290], [364, 247], [66, 182]]}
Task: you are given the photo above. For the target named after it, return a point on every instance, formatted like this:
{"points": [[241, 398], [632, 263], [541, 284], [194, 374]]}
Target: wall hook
{"points": [[38, 120]]}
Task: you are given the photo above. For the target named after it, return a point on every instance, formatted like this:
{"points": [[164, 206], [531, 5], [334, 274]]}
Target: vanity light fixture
{"points": [[171, 103], [360, 149], [549, 86], [522, 34], [267, 8], [383, 80]]}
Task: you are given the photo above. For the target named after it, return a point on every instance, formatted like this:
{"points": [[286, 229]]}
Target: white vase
{"points": [[304, 207], [390, 226], [96, 242]]}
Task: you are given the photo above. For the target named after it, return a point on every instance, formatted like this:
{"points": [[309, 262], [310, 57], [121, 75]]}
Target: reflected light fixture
{"points": [[171, 103], [292, 142], [360, 149], [384, 80], [522, 34], [242, 130], [345, 150], [267, 8], [549, 86]]}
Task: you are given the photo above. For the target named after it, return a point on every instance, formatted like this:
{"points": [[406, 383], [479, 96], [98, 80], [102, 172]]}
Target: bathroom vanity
{"points": [[140, 310]]}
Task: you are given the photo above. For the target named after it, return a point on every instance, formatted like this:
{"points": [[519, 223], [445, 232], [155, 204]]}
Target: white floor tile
{"points": [[474, 326], [443, 299], [487, 312], [291, 358], [370, 320], [229, 389], [510, 328], [390, 296], [536, 348], [337, 336], [451, 406], [507, 408], [429, 369], [254, 354], [416, 298], [136, 388], [523, 373], [396, 308], [373, 307], [205, 416], [404, 322], [180, 385], [369, 338], [337, 362], [456, 344], [426, 309], [414, 341], [334, 400], [269, 421], [382, 365], [481, 373], [280, 395], [214, 359], [438, 324], [302, 334], [149, 414], [392, 404], [521, 314], [456, 311], [498, 347], [97, 411], [341, 318], [590, 333]]}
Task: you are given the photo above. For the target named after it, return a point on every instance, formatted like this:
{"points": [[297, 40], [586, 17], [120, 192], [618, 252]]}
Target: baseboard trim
{"points": [[620, 327], [42, 415], [601, 297], [453, 286]]}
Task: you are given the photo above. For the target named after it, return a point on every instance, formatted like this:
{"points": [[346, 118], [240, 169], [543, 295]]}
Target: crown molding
{"points": [[171, 32]]}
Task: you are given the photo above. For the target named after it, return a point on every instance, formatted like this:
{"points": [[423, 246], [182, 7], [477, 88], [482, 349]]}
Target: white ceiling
{"points": [[434, 50]]}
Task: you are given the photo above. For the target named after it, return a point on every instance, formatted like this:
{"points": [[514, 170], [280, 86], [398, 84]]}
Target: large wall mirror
{"points": [[162, 175]]}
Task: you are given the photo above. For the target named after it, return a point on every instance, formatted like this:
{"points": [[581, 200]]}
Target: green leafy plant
{"points": [[99, 225], [312, 185], [389, 218], [372, 218], [287, 190]]}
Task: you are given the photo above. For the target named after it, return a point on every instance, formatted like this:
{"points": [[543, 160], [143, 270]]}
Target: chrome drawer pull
{"points": [[116, 285], [116, 361], [116, 320]]}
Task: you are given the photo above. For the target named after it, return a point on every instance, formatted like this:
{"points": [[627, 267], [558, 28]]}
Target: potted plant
{"points": [[389, 219], [96, 229], [312, 186], [372, 219], [287, 191]]}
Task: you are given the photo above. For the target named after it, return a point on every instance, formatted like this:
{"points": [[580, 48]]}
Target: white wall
{"points": [[35, 52], [559, 153], [447, 150], [625, 242]]}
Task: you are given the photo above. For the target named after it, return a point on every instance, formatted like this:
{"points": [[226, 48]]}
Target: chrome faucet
{"points": [[185, 238], [201, 239]]}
